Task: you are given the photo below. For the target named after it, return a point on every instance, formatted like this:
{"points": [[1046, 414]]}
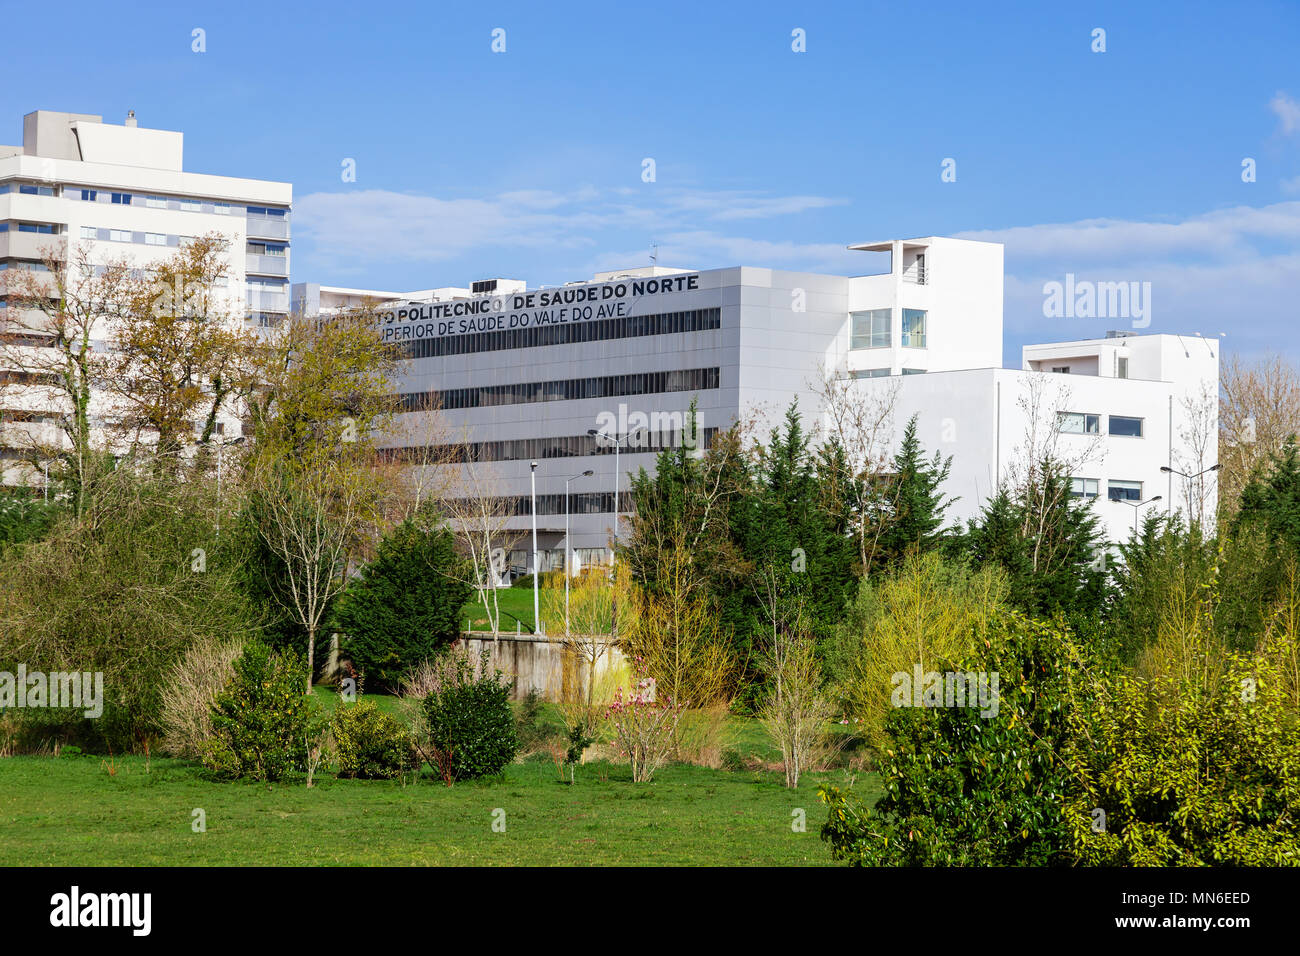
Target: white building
{"points": [[122, 191], [527, 375]]}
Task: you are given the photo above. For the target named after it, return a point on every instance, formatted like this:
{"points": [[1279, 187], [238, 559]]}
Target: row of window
{"points": [[147, 201], [1084, 423], [598, 330], [580, 503], [1116, 490], [882, 372], [602, 386], [871, 329], [43, 228], [533, 449]]}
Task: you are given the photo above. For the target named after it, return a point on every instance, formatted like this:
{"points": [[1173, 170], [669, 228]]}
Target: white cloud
{"points": [[1288, 112], [1236, 232], [372, 226]]}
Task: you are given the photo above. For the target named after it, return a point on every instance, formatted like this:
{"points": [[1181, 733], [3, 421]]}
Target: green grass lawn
{"points": [[82, 810], [71, 811], [516, 604]]}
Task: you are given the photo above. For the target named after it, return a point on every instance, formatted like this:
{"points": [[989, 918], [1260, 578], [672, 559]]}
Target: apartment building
{"points": [[121, 191]]}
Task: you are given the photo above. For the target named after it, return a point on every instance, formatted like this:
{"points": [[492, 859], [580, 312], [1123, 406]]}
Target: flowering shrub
{"points": [[643, 726]]}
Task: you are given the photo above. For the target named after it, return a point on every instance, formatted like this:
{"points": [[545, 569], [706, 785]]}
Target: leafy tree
{"points": [[794, 536], [404, 606], [914, 498], [1271, 500], [1047, 542]]}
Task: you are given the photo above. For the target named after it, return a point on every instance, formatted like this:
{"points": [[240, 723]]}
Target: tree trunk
{"points": [[311, 656]]}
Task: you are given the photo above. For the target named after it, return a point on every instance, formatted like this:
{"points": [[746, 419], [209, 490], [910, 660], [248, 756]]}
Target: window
{"points": [[913, 329], [121, 199], [119, 235], [4, 227], [89, 232], [1121, 367], [191, 205], [36, 190], [870, 330], [155, 239], [1124, 490], [870, 373], [155, 202], [221, 208], [1125, 426], [1078, 423], [913, 371], [90, 195], [1085, 488], [40, 227], [1061, 369]]}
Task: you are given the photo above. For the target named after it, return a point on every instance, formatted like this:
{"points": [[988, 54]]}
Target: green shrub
{"points": [[1187, 772], [966, 786], [371, 745], [469, 728], [405, 606], [262, 723]]}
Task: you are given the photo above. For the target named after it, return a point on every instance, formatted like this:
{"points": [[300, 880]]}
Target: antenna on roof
{"points": [[654, 252]]}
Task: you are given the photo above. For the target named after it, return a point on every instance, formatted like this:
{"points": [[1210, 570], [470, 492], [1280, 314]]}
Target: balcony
{"points": [[268, 227], [31, 245], [266, 301], [266, 265]]}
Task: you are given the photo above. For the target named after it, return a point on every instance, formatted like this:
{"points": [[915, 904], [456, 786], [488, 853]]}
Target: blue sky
{"points": [[1122, 165]]}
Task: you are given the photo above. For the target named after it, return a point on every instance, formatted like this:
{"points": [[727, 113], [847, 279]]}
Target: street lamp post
{"points": [[586, 474], [537, 617], [1174, 471], [1138, 506], [617, 441]]}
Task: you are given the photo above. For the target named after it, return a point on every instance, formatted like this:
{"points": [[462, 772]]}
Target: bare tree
{"points": [[480, 518], [859, 417], [48, 355], [1198, 434], [795, 711], [1259, 409]]}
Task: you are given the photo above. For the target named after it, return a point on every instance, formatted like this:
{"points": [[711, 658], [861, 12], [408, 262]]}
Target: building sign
{"points": [[522, 310]]}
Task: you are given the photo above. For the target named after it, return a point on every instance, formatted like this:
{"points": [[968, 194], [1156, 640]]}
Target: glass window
{"points": [[1121, 367], [1078, 423], [89, 195], [870, 330], [191, 205], [155, 239], [89, 232], [913, 329], [36, 190], [121, 199], [155, 202], [913, 371], [1124, 490], [221, 208], [1128, 427], [119, 235], [869, 373], [1083, 488]]}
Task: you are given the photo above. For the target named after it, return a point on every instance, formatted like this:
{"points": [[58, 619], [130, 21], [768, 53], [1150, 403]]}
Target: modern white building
{"points": [[560, 375], [121, 191]]}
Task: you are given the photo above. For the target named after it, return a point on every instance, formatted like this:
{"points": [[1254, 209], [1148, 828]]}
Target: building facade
{"points": [[598, 376], [120, 191]]}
